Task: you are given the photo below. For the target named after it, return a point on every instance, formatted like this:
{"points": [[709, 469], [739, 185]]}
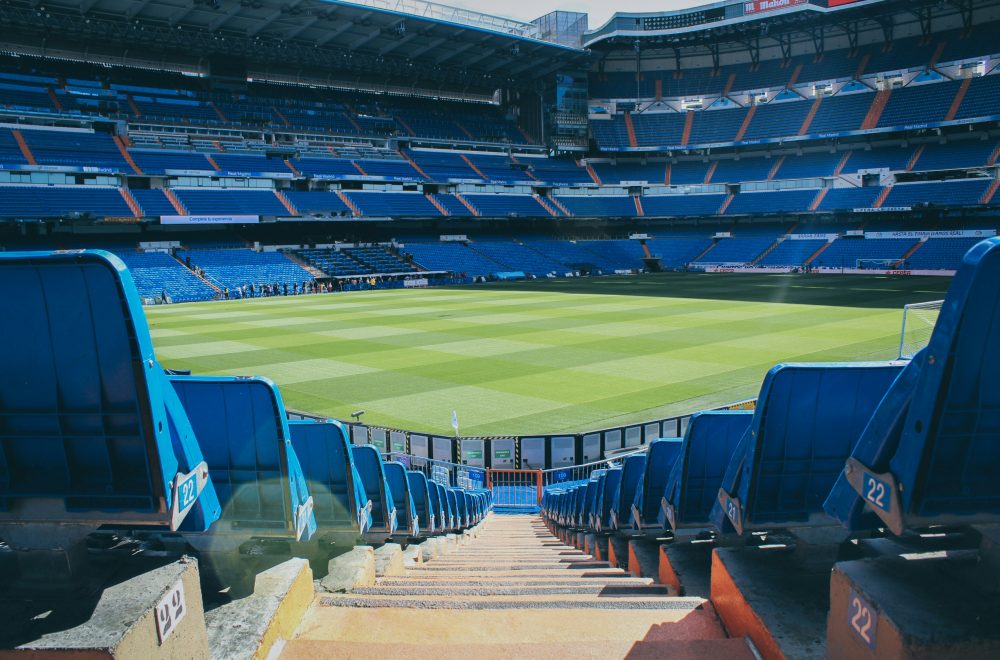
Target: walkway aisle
{"points": [[513, 592]]}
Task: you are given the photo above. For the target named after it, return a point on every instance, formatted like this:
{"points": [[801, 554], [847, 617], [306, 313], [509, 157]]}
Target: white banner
{"points": [[952, 233], [866, 271], [209, 219], [419, 282], [748, 269], [813, 237], [884, 209]]}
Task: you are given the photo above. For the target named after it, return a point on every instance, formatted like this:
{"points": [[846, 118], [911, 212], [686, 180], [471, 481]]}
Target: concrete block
{"points": [[759, 593], [601, 548], [249, 627], [643, 558], [589, 541], [411, 556], [618, 552], [124, 623], [686, 568], [351, 570], [429, 549], [921, 605], [389, 561]]}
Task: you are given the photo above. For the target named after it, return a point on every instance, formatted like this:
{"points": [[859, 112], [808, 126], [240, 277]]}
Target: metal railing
{"points": [[575, 473], [458, 15], [515, 489], [442, 472]]}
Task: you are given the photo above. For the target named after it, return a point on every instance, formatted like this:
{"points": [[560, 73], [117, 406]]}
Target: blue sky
{"points": [[599, 10]]}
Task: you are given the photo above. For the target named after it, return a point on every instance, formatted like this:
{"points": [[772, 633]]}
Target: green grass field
{"points": [[544, 356]]}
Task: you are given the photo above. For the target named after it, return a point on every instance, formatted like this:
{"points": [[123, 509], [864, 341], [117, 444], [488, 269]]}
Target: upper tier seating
{"points": [[242, 427], [929, 454], [75, 148], [61, 201], [692, 486], [341, 505], [92, 433], [370, 468], [807, 420], [500, 206], [153, 202], [379, 204], [230, 202]]}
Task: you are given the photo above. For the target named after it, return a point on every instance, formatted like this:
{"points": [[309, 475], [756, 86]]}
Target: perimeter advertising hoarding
{"points": [[209, 219], [761, 6]]}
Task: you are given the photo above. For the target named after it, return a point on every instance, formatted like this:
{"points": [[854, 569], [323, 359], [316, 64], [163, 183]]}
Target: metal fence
{"points": [[515, 489], [530, 452]]}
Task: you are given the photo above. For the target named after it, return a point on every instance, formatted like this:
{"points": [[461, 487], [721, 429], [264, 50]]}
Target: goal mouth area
{"points": [[919, 320]]}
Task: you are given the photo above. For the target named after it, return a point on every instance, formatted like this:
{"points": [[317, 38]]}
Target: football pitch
{"points": [[539, 357]]}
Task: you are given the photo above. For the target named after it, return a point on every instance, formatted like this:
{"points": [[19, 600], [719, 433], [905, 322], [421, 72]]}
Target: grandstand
{"points": [[158, 155]]}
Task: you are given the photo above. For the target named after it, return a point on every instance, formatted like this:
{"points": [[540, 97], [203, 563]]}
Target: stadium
{"points": [[355, 328]]}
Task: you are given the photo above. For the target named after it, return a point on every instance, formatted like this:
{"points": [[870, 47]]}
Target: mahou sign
{"points": [[760, 6]]}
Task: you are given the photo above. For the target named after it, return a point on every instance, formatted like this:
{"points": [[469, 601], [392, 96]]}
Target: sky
{"points": [[599, 10]]}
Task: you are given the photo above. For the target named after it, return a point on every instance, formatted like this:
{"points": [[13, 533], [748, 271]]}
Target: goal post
{"points": [[918, 324]]}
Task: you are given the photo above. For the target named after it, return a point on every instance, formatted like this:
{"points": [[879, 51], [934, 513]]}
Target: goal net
{"points": [[918, 324]]}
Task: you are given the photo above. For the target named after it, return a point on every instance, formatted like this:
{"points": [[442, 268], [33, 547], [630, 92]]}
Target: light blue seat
{"points": [[243, 430], [368, 461], [399, 485], [462, 507], [453, 507], [693, 483], [423, 502], [808, 418], [660, 459], [594, 516], [437, 507], [931, 453], [621, 505], [605, 497], [91, 433], [340, 502], [447, 511], [590, 499]]}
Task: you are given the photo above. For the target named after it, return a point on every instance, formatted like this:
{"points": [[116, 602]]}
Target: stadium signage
{"points": [[884, 209], [813, 237], [953, 233], [761, 6], [209, 219]]}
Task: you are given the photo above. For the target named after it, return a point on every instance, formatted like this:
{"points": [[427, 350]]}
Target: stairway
{"points": [[875, 112], [512, 590], [630, 129]]}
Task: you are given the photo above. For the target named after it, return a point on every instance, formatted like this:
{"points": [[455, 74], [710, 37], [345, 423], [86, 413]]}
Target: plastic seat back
{"points": [[660, 459], [931, 453], [399, 486], [242, 427], [425, 492], [91, 433], [370, 468], [456, 512], [808, 418], [590, 501], [594, 516], [339, 498], [447, 512], [693, 483], [621, 505], [605, 497]]}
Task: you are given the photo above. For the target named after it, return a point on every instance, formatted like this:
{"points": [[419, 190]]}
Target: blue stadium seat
{"points": [[383, 511], [423, 502], [91, 433], [399, 486], [621, 505], [462, 507], [242, 428], [594, 515], [692, 486], [660, 459], [605, 497], [339, 498], [454, 513], [590, 499], [807, 420], [930, 455], [437, 506]]}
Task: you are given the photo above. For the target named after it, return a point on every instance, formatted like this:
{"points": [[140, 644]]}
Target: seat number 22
{"points": [[862, 619], [876, 492]]}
